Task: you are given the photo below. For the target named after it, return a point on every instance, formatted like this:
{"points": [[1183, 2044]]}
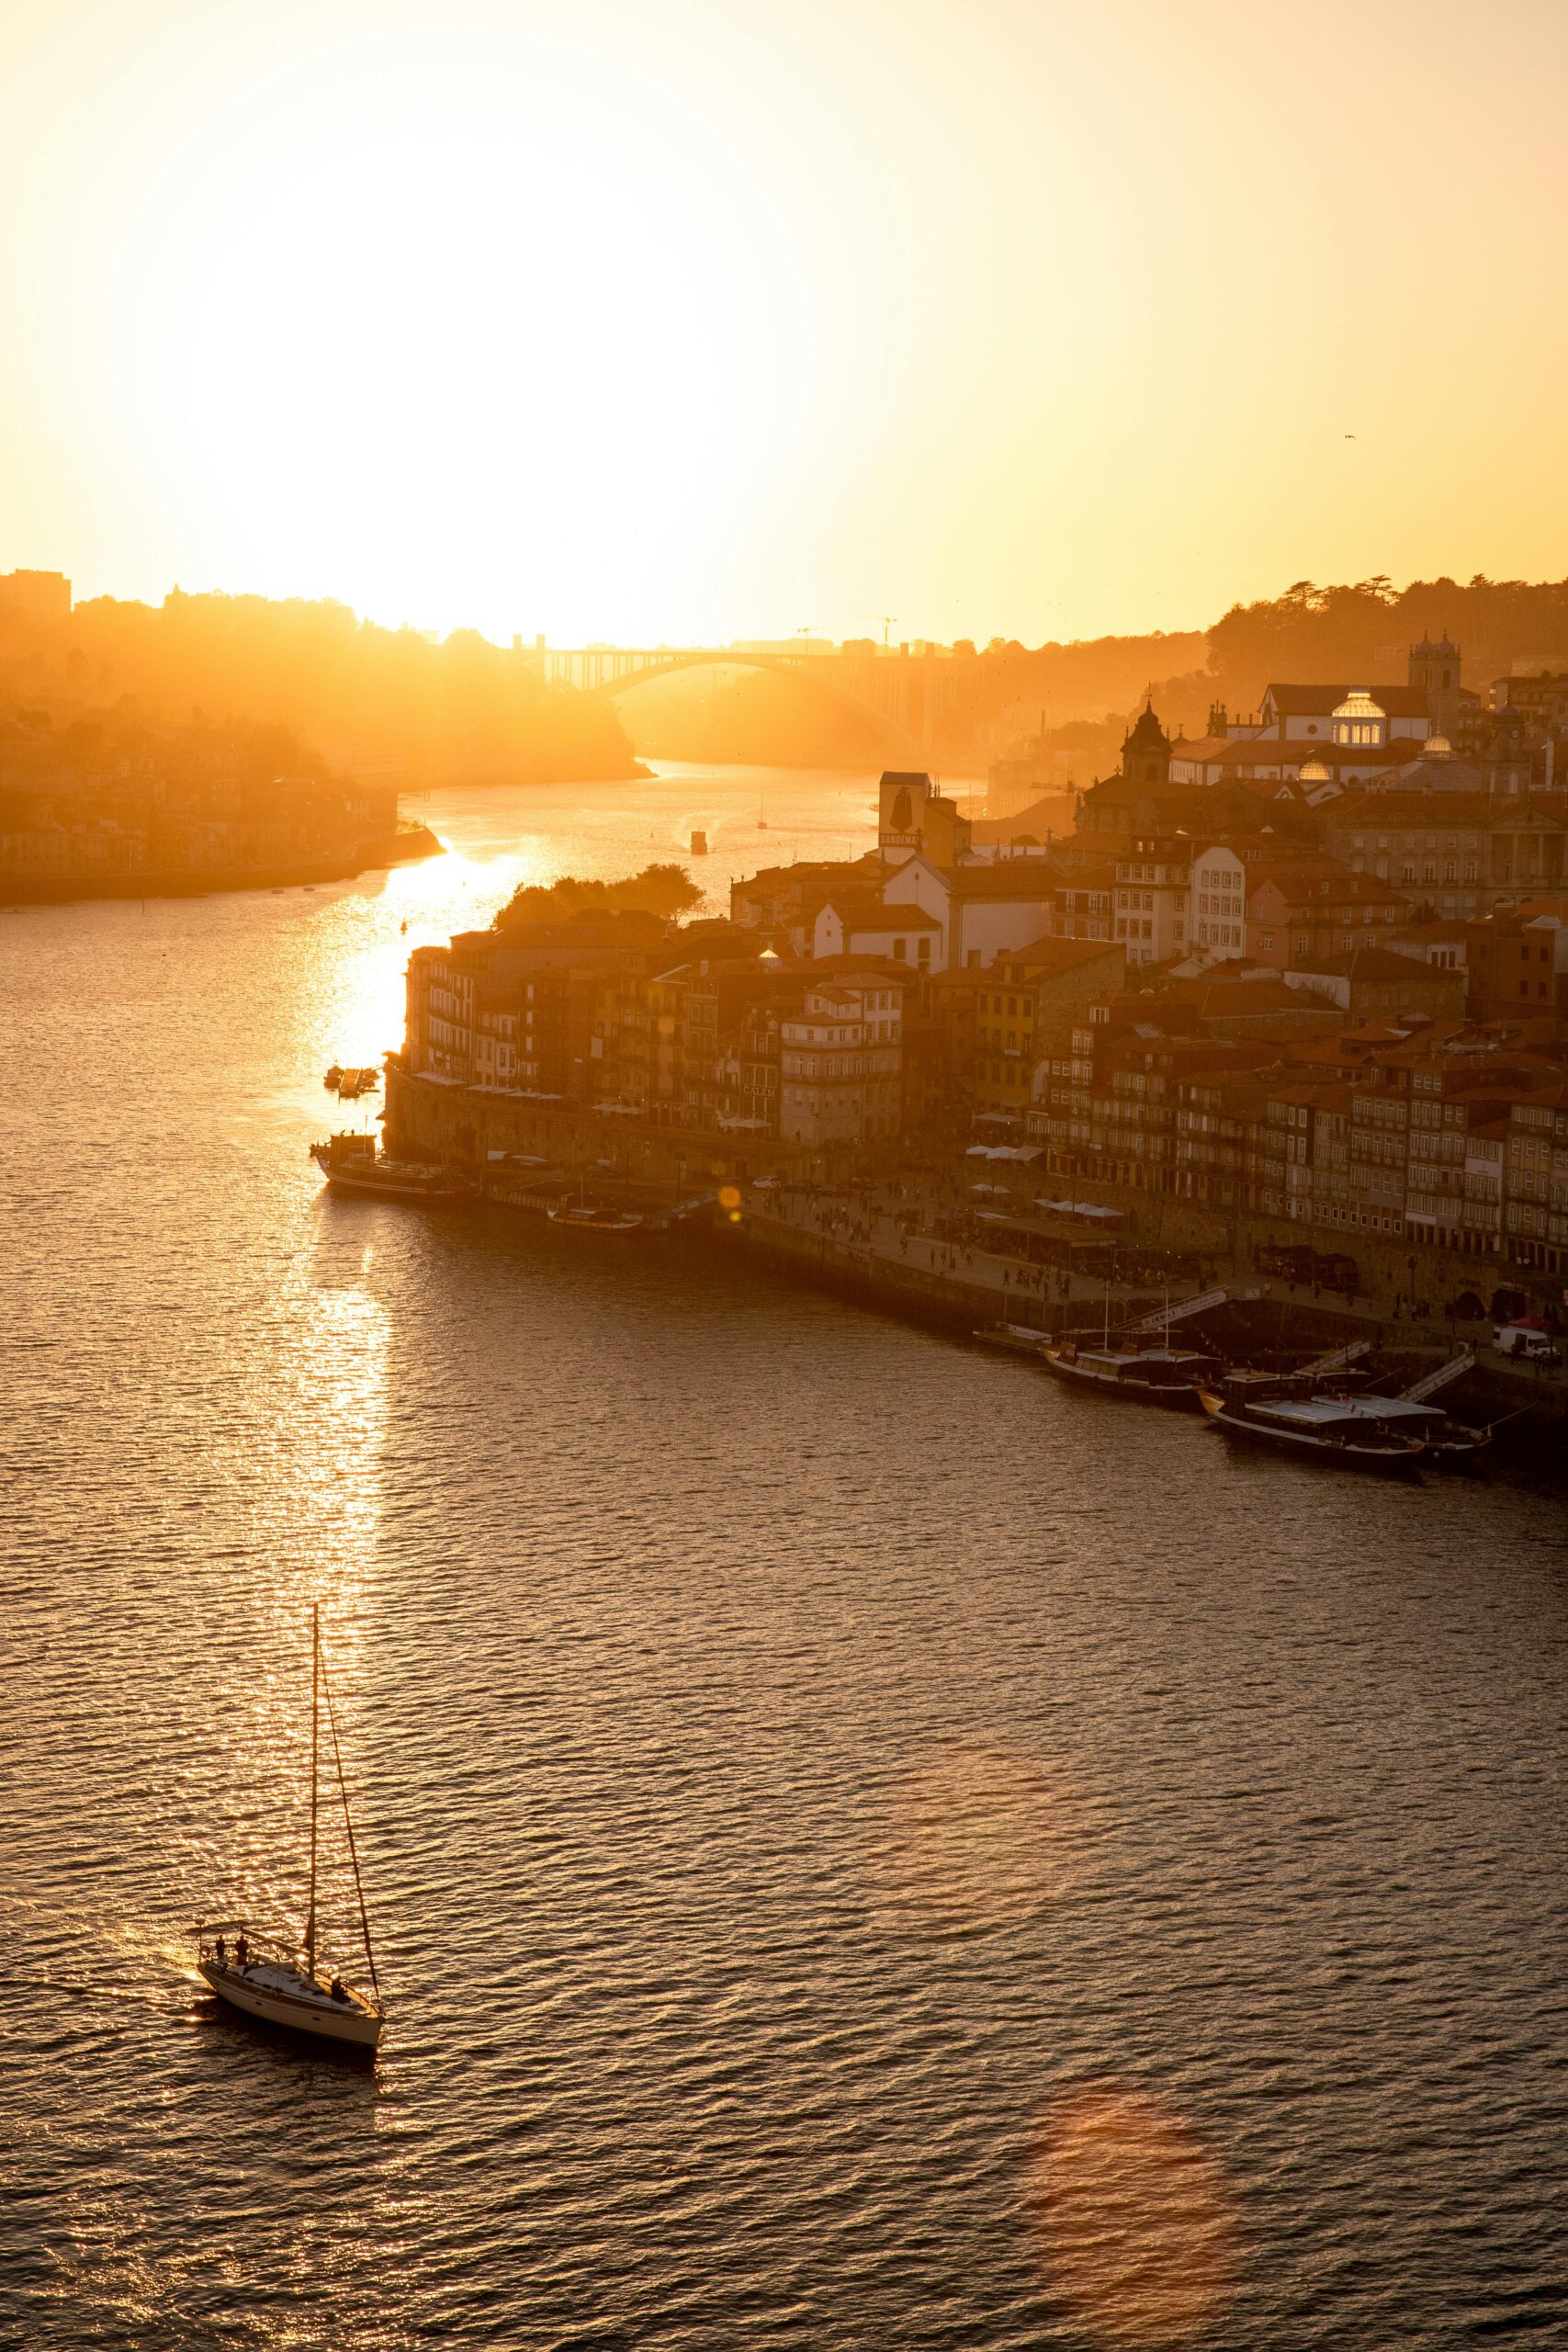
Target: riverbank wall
{"points": [[1275, 1324], [430, 1118], [952, 1289]]}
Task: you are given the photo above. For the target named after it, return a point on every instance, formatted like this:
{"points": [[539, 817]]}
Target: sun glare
{"points": [[453, 334], [445, 370]]}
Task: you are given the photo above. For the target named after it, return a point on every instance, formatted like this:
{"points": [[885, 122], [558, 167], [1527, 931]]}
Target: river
{"points": [[868, 1849]]}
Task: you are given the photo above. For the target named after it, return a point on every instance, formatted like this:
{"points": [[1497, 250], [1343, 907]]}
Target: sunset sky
{"points": [[657, 320]]}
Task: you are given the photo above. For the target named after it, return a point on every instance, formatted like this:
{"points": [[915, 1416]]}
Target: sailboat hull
{"points": [[263, 1991]]}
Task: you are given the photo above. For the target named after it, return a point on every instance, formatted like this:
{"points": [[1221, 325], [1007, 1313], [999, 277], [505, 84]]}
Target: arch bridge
{"points": [[914, 693]]}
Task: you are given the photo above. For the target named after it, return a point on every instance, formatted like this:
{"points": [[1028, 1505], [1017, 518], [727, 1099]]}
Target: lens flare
{"points": [[1137, 2232], [979, 1838]]}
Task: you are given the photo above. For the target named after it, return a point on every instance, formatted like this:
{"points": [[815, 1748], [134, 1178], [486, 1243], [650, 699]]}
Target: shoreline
{"points": [[941, 1283], [408, 846]]}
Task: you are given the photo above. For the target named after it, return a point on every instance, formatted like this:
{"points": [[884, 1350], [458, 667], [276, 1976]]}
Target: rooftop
{"points": [[1376, 964], [1293, 701]]}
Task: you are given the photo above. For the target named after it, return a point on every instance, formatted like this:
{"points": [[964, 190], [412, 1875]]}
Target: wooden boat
{"points": [[351, 1164], [1452, 1444], [1021, 1339], [1168, 1377], [1343, 1431], [588, 1216], [272, 1977]]}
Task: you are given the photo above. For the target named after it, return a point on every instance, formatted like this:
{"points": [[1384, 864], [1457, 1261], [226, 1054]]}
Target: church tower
{"points": [[1145, 751], [1435, 668], [1506, 765]]}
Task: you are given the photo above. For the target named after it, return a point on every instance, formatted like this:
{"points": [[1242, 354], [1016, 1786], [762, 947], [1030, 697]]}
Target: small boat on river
{"points": [[591, 1217], [1163, 1375], [350, 1082], [274, 1977], [1347, 1432], [352, 1164]]}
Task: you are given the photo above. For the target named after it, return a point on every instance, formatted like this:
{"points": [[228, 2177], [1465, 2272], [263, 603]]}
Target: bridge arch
{"points": [[883, 692]]}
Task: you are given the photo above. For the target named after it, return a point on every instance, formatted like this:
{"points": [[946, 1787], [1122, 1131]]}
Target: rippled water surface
{"points": [[868, 1849]]}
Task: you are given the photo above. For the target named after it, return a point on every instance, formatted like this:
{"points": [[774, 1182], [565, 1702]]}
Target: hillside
{"points": [[384, 703]]}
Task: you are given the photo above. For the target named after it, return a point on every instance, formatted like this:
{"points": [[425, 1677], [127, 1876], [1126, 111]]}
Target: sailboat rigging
{"points": [[262, 1973]]}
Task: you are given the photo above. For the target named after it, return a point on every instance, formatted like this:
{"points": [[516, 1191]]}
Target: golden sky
{"points": [[681, 320]]}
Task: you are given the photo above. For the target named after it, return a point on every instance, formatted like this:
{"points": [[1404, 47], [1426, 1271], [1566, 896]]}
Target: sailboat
{"points": [[274, 1977]]}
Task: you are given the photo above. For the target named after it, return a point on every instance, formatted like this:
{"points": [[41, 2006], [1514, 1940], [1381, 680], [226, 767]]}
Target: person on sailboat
{"points": [[337, 1990], [242, 1952], [223, 1951]]}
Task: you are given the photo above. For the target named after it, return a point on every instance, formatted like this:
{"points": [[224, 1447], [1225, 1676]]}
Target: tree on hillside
{"points": [[1358, 632], [662, 890]]}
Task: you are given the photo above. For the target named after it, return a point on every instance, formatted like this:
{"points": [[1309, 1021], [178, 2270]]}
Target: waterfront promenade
{"points": [[915, 1245]]}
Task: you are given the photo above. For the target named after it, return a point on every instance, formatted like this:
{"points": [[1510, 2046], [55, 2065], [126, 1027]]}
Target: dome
{"points": [[1359, 722], [1315, 772], [1437, 747], [1148, 735]]}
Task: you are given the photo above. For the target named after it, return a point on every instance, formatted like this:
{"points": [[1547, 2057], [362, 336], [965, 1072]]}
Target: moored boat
{"points": [[1023, 1339], [589, 1217], [1454, 1444], [1341, 1431], [1165, 1375], [352, 1164], [273, 1978]]}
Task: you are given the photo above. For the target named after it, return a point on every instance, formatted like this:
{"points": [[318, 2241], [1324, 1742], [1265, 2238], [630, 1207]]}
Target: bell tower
{"points": [[1145, 749], [1435, 668]]}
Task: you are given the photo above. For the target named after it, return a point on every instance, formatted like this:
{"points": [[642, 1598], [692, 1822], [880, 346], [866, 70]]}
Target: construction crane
{"points": [[888, 620]]}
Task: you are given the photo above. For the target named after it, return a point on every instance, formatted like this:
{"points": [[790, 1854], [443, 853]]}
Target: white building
{"points": [[1331, 714], [986, 906], [1151, 899], [859, 923], [1216, 919]]}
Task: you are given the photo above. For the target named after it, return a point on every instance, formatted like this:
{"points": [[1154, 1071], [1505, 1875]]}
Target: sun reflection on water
{"points": [[976, 1837]]}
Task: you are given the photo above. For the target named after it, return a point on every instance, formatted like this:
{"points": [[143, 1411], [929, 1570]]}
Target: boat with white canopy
{"points": [[274, 1977]]}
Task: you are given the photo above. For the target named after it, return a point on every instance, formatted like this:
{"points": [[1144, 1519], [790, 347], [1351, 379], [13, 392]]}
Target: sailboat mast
{"points": [[348, 1825], [315, 1752]]}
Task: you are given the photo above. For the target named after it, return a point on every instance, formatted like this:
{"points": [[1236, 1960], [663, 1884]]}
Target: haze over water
{"points": [[803, 1766]]}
